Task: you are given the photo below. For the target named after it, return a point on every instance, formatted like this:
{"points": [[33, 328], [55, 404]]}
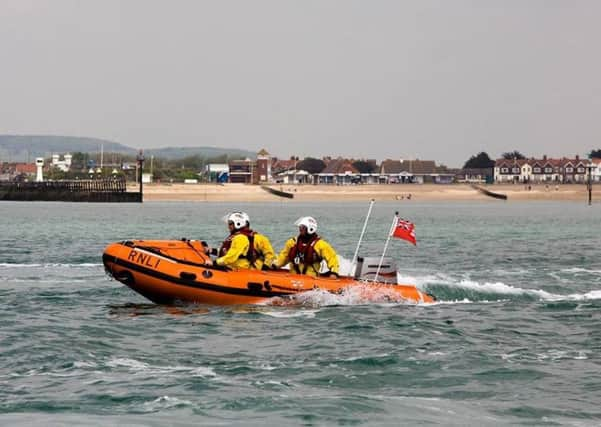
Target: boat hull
{"points": [[168, 272]]}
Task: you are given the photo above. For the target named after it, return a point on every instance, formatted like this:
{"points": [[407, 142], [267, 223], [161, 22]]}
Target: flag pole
{"points": [[354, 261], [394, 223]]}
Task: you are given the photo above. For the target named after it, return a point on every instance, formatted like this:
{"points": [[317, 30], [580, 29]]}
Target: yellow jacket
{"points": [[322, 250], [235, 257], [265, 252]]}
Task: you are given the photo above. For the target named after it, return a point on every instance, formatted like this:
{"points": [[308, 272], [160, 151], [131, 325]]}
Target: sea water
{"points": [[515, 337]]}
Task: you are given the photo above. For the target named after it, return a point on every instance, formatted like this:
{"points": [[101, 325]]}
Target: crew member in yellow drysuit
{"points": [[243, 248], [305, 252]]}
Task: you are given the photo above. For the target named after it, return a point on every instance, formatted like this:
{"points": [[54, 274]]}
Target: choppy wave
{"points": [[586, 296], [514, 333], [165, 403], [39, 281], [289, 313], [447, 290], [145, 368], [580, 270], [118, 364], [450, 290]]}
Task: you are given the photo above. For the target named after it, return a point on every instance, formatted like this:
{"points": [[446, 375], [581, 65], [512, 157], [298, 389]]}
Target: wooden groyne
{"points": [[277, 192], [112, 190], [489, 193]]}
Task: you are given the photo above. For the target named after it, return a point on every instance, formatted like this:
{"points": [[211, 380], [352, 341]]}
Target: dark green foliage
{"points": [[595, 154], [511, 155], [79, 160], [311, 165], [185, 174], [364, 167], [479, 161], [172, 153]]}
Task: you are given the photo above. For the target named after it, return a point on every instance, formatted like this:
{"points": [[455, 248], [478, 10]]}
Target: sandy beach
{"points": [[390, 192]]}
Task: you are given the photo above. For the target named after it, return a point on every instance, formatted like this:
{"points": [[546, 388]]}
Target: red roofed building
{"points": [[26, 168]]}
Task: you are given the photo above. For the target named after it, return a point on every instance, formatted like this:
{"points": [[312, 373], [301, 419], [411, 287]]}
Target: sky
{"points": [[433, 80]]}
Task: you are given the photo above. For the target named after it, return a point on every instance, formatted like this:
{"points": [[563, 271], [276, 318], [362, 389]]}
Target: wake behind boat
{"points": [[171, 271]]}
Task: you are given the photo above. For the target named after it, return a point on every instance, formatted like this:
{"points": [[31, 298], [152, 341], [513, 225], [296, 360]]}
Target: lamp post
{"points": [[140, 159]]}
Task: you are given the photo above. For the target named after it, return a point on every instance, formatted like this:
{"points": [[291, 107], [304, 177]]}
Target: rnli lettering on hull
{"points": [[144, 259]]}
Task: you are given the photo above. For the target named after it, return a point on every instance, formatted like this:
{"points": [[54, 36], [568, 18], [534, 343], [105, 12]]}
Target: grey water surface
{"points": [[515, 338]]}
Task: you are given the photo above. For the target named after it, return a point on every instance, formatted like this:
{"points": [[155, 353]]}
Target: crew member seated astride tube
{"points": [[243, 248], [305, 252]]}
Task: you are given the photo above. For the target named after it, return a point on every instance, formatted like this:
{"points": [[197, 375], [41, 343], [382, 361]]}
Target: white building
{"points": [[217, 172], [596, 170], [64, 164], [540, 170], [293, 177]]}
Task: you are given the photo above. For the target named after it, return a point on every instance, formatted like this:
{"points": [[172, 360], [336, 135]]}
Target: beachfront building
{"points": [[216, 172], [293, 176], [596, 170], [279, 165], [475, 175], [262, 171], [249, 171], [17, 171], [512, 171], [415, 172], [575, 170], [508, 170], [540, 170], [241, 171], [372, 178], [338, 172], [546, 170], [342, 172]]}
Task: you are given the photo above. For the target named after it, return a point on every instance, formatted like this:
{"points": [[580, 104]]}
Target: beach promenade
{"points": [[385, 192]]}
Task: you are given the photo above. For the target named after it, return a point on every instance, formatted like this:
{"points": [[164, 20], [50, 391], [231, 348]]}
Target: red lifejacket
{"points": [[251, 254], [304, 253]]}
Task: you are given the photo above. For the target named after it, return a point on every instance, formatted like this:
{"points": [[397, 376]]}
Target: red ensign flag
{"points": [[405, 230]]}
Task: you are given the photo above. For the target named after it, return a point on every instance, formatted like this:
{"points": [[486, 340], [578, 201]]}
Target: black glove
{"points": [[333, 274]]}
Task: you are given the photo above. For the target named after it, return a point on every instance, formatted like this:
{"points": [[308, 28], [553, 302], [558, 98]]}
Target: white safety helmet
{"points": [[309, 222], [240, 219]]}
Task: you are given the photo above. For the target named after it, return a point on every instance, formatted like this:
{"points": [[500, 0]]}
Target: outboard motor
{"points": [[368, 266]]}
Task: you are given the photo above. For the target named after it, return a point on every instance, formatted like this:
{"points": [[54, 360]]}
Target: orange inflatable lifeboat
{"points": [[168, 271]]}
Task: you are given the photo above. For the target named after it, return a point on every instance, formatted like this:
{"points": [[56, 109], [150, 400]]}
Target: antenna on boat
{"points": [[392, 226], [354, 261]]}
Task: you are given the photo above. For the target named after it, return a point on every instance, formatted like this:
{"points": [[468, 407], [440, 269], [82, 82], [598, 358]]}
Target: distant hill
{"points": [[22, 148]]}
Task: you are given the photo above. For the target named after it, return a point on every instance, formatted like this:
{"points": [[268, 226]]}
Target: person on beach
{"points": [[243, 248], [305, 252]]}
